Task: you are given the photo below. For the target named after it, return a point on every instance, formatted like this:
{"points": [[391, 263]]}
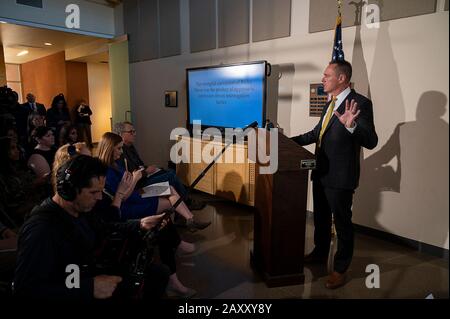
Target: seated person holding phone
{"points": [[154, 174]]}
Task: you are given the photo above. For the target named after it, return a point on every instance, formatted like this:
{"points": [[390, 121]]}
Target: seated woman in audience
{"points": [[20, 190], [35, 120], [68, 135], [64, 153], [43, 155], [11, 132], [109, 151]]}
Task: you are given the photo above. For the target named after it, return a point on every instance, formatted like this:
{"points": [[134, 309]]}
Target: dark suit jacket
{"points": [[39, 107], [338, 157]]}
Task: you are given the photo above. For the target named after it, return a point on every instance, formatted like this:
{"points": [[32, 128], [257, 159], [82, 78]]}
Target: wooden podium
{"points": [[280, 217]]}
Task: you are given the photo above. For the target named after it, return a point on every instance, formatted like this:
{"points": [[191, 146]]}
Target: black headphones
{"points": [[64, 186], [72, 150]]}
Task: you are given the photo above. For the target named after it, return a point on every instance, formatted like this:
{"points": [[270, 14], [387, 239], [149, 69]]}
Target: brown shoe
{"points": [[335, 280]]}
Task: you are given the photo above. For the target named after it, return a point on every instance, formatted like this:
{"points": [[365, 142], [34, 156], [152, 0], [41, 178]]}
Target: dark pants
{"points": [[168, 242], [328, 201], [163, 176]]}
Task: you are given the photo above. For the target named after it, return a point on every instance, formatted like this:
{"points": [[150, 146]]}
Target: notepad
{"points": [[155, 190]]}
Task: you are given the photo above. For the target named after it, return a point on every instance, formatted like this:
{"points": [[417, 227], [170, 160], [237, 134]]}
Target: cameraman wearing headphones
{"points": [[60, 232]]}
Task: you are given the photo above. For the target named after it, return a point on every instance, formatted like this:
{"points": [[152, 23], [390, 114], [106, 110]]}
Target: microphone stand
{"points": [[151, 235], [145, 256]]}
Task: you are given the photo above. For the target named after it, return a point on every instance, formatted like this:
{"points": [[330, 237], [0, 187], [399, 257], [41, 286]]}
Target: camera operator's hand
{"points": [[8, 233], [104, 286], [149, 222]]}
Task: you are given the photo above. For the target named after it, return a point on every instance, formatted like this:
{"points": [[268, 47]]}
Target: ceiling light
{"points": [[48, 43], [21, 53], [4, 22]]}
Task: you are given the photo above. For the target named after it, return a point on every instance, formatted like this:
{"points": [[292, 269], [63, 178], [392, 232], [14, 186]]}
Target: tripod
{"points": [[151, 235]]}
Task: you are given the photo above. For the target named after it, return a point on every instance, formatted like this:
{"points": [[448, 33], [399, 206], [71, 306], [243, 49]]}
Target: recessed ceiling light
{"points": [[48, 43], [4, 22], [21, 53]]}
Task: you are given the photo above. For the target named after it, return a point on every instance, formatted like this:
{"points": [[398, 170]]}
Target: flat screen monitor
{"points": [[227, 96]]}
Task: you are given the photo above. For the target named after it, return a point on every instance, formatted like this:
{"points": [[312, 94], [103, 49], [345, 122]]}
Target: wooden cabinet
{"points": [[232, 177]]}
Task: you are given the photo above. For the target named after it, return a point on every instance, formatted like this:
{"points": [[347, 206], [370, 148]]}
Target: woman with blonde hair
{"points": [[109, 151], [64, 153]]}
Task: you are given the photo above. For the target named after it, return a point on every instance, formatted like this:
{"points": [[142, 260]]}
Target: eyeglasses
{"points": [[130, 131]]}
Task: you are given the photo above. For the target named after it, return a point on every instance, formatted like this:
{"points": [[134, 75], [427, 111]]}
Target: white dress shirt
{"points": [[33, 107]]}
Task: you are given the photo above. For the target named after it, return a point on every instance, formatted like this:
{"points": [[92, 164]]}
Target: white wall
{"points": [[120, 83], [118, 20], [99, 99], [95, 19], [404, 182]]}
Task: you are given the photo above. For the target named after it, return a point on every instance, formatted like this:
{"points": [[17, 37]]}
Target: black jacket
{"points": [[81, 113], [40, 108], [50, 240], [338, 157], [54, 116], [133, 159]]}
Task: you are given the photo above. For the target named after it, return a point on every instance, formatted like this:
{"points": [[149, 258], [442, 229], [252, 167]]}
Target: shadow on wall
{"points": [[416, 191], [286, 74], [384, 77], [407, 178], [287, 100], [360, 75]]}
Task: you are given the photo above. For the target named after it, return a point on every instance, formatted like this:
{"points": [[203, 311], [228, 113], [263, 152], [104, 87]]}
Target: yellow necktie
{"points": [[327, 119]]}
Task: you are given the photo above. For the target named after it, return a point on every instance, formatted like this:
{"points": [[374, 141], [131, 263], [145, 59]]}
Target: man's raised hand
{"points": [[350, 115]]}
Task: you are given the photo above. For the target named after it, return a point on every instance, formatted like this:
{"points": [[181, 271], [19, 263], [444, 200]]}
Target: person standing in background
{"points": [[32, 106], [83, 121], [58, 115]]}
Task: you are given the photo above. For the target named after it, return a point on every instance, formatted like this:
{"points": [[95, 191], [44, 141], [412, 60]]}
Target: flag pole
{"points": [[333, 226], [339, 17]]}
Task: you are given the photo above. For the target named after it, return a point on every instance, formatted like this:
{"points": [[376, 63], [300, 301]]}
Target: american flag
{"points": [[338, 51]]}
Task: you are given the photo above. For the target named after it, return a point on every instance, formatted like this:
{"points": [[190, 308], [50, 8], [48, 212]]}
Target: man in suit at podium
{"points": [[346, 124]]}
